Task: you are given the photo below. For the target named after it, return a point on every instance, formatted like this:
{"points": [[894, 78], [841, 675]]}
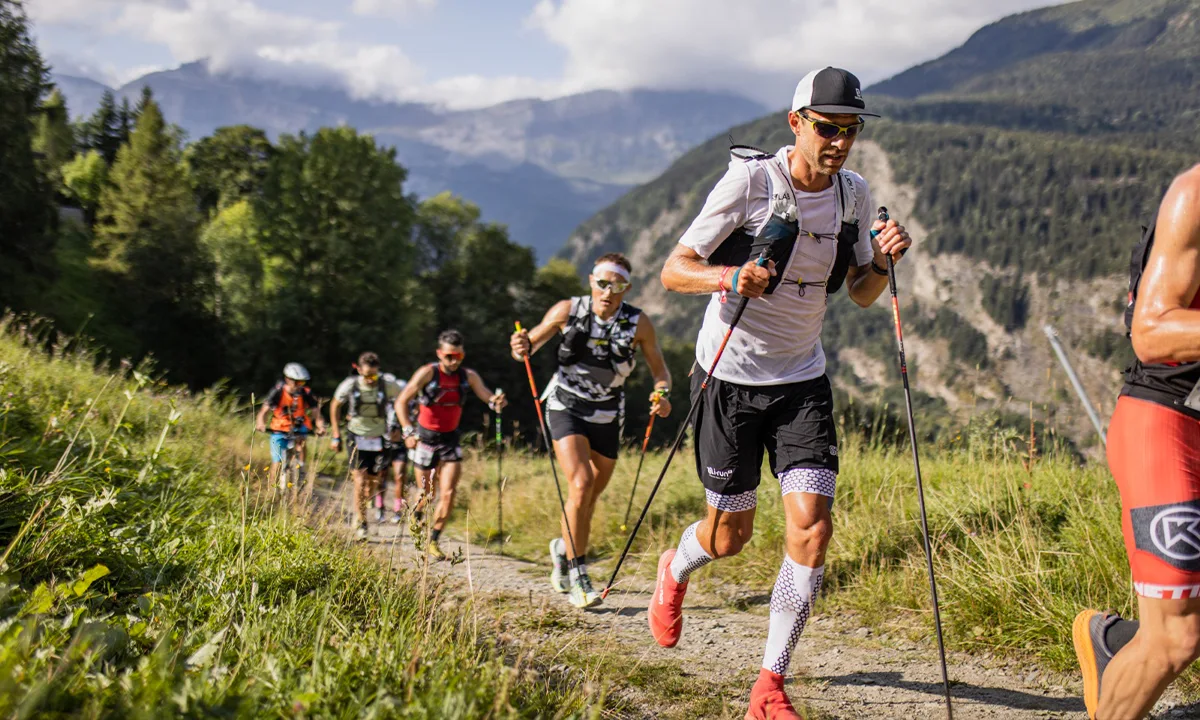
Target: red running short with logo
{"points": [[1154, 455]]}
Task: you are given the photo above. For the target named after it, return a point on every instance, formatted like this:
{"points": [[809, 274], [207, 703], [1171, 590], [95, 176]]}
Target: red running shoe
{"points": [[768, 701], [666, 606]]}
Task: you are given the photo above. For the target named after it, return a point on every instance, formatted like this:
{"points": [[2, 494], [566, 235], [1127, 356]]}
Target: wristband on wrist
{"points": [[724, 273], [409, 431], [733, 285], [876, 269]]}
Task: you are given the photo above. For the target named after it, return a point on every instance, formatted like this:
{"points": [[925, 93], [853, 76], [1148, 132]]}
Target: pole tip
{"points": [[604, 594]]}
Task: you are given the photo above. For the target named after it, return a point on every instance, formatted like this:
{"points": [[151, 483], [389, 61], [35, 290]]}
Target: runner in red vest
{"points": [[441, 389], [1154, 455]]}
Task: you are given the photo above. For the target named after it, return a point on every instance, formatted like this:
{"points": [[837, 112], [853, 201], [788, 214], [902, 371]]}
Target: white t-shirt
{"points": [[778, 339]]}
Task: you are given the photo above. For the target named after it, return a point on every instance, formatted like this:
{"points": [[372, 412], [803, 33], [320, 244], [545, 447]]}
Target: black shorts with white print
{"points": [[736, 423]]}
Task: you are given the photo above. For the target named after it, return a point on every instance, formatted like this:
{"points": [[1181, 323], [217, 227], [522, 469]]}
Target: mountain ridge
{"points": [[538, 166]]}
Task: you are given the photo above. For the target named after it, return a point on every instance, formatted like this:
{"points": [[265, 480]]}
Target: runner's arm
{"points": [[1164, 328], [419, 380], [725, 210], [554, 321], [647, 339], [687, 272], [496, 401], [260, 421], [334, 406]]}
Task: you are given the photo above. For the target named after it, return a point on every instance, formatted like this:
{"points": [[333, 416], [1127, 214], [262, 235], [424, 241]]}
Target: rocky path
{"points": [[841, 670]]}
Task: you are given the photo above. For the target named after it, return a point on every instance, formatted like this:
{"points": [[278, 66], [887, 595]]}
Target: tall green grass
{"points": [[1019, 548], [142, 577]]}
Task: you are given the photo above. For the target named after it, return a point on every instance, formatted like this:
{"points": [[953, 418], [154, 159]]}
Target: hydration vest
{"points": [[378, 403], [1176, 385], [780, 233], [442, 398], [614, 350], [291, 408]]}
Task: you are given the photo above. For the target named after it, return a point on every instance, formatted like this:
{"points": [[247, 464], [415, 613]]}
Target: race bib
{"points": [[369, 444]]}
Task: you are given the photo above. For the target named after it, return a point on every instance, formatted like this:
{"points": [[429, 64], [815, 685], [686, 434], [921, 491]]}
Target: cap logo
{"points": [[858, 94]]}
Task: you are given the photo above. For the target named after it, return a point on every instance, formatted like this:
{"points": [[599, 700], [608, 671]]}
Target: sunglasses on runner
{"points": [[370, 377], [452, 355], [618, 286], [830, 130]]}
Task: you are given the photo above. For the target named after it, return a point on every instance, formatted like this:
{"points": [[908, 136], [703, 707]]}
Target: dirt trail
{"points": [[840, 670]]}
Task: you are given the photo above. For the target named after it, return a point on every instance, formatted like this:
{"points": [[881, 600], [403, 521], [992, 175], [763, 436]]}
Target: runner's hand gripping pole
{"points": [[737, 316], [638, 474], [912, 438], [537, 401]]}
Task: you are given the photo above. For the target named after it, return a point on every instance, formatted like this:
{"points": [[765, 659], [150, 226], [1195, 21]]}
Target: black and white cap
{"points": [[832, 91]]}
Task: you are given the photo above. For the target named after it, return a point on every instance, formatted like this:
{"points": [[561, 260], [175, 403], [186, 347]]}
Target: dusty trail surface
{"points": [[840, 669]]}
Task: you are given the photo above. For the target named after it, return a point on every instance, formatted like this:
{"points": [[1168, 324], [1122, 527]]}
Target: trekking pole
{"points": [[912, 438], [638, 474], [737, 316], [537, 402], [499, 479]]}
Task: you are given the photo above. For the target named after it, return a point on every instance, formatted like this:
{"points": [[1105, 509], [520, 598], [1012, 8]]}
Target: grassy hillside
{"points": [[142, 576]]}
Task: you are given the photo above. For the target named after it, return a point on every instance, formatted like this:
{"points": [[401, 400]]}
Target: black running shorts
{"points": [[373, 461], [604, 438], [735, 423], [435, 448]]}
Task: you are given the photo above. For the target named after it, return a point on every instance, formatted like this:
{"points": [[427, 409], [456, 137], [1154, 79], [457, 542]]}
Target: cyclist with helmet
{"points": [[291, 406], [366, 396], [441, 389]]}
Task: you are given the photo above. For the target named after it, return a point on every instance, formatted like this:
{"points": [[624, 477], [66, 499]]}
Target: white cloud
{"points": [[757, 47], [390, 8]]}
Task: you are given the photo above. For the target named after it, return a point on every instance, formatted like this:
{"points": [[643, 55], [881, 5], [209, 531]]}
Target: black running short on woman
{"points": [[736, 423], [435, 448], [604, 438]]}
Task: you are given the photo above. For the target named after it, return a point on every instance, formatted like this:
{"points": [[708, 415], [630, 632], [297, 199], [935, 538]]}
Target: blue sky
{"points": [[466, 53]]}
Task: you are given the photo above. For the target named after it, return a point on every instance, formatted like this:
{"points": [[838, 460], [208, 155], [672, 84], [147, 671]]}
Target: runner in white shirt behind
{"points": [[769, 391]]}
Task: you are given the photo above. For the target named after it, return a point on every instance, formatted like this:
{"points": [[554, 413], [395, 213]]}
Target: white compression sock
{"points": [[792, 601], [690, 556]]}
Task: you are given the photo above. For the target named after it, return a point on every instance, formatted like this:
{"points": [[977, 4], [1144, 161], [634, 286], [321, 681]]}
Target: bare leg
{"points": [[1166, 643], [362, 497], [447, 487], [587, 473]]}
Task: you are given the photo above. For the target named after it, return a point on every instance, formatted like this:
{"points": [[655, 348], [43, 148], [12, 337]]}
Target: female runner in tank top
{"points": [[585, 402]]}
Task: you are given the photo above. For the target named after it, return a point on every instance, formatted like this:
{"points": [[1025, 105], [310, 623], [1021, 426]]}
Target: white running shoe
{"points": [[559, 575], [583, 595]]}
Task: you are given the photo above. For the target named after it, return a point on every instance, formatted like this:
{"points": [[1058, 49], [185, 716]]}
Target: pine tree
{"points": [[104, 128], [26, 203], [125, 120], [54, 139], [147, 237]]}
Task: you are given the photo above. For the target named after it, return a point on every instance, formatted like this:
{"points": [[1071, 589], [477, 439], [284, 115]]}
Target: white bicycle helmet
{"points": [[295, 371]]}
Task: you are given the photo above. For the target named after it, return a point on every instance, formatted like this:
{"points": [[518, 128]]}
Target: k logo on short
{"points": [[1170, 533]]}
